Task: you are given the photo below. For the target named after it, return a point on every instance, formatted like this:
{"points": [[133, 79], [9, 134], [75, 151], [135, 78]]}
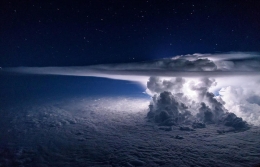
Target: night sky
{"points": [[95, 83], [79, 33]]}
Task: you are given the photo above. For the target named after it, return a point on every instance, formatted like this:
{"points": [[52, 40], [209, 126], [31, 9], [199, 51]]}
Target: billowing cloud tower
{"points": [[177, 101]]}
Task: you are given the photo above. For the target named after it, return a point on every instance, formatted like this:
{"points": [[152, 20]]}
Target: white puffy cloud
{"points": [[242, 101], [157, 85]]}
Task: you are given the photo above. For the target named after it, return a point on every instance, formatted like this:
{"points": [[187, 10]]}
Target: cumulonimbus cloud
{"points": [[233, 78]]}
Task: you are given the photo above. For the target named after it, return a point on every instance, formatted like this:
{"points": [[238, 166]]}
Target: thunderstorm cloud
{"points": [[220, 88]]}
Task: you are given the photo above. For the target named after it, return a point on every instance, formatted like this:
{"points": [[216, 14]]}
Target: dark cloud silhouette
{"points": [[166, 110], [230, 119], [205, 114]]}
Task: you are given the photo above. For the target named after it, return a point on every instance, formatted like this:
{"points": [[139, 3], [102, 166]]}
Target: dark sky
{"points": [[77, 33]]}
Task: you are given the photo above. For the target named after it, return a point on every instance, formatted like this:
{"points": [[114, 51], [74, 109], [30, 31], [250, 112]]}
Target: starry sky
{"points": [[79, 33]]}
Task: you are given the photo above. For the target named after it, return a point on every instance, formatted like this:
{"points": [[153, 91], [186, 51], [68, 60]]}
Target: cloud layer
{"points": [[113, 132], [228, 64]]}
